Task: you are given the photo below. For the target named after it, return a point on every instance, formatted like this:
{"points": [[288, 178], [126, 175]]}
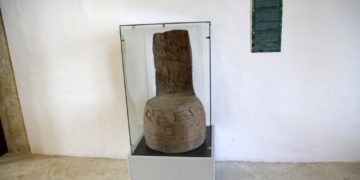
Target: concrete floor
{"points": [[38, 167], [285, 171]]}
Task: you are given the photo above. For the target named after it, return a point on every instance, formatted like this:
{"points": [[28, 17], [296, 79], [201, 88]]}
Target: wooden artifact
{"points": [[174, 120]]}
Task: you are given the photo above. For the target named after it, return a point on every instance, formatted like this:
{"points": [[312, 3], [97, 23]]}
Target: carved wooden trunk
{"points": [[174, 120]]}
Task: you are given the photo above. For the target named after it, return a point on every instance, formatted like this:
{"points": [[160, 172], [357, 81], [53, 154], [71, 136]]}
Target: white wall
{"points": [[302, 104]]}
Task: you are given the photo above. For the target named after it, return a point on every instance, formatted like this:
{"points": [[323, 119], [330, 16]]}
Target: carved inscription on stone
{"points": [[173, 64], [174, 120]]}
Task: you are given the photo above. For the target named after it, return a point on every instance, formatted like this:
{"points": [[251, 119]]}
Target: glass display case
{"points": [[139, 77]]}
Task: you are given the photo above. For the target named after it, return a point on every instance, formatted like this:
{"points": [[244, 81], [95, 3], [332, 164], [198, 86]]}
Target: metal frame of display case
{"points": [[171, 166]]}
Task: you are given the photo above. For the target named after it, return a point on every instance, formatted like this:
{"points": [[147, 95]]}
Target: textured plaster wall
{"points": [[298, 105], [10, 110]]}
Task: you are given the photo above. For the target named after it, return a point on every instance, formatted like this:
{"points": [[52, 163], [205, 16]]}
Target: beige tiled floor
{"points": [[287, 171], [38, 167]]}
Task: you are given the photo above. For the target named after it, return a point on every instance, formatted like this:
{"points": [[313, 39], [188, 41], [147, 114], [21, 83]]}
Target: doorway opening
{"points": [[3, 146]]}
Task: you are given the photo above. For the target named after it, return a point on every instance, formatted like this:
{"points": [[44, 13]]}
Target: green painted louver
{"points": [[266, 25]]}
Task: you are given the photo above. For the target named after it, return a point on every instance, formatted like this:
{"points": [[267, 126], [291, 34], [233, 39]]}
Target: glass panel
{"points": [[139, 69]]}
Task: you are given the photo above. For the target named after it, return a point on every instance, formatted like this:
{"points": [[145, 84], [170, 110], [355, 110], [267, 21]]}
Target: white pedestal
{"points": [[172, 167]]}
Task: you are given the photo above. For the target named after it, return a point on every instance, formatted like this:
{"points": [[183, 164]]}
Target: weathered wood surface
{"points": [[174, 120]]}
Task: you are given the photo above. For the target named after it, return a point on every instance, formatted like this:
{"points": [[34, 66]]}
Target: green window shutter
{"points": [[266, 25]]}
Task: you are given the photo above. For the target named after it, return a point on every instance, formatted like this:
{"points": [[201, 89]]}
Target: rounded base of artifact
{"points": [[174, 123]]}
